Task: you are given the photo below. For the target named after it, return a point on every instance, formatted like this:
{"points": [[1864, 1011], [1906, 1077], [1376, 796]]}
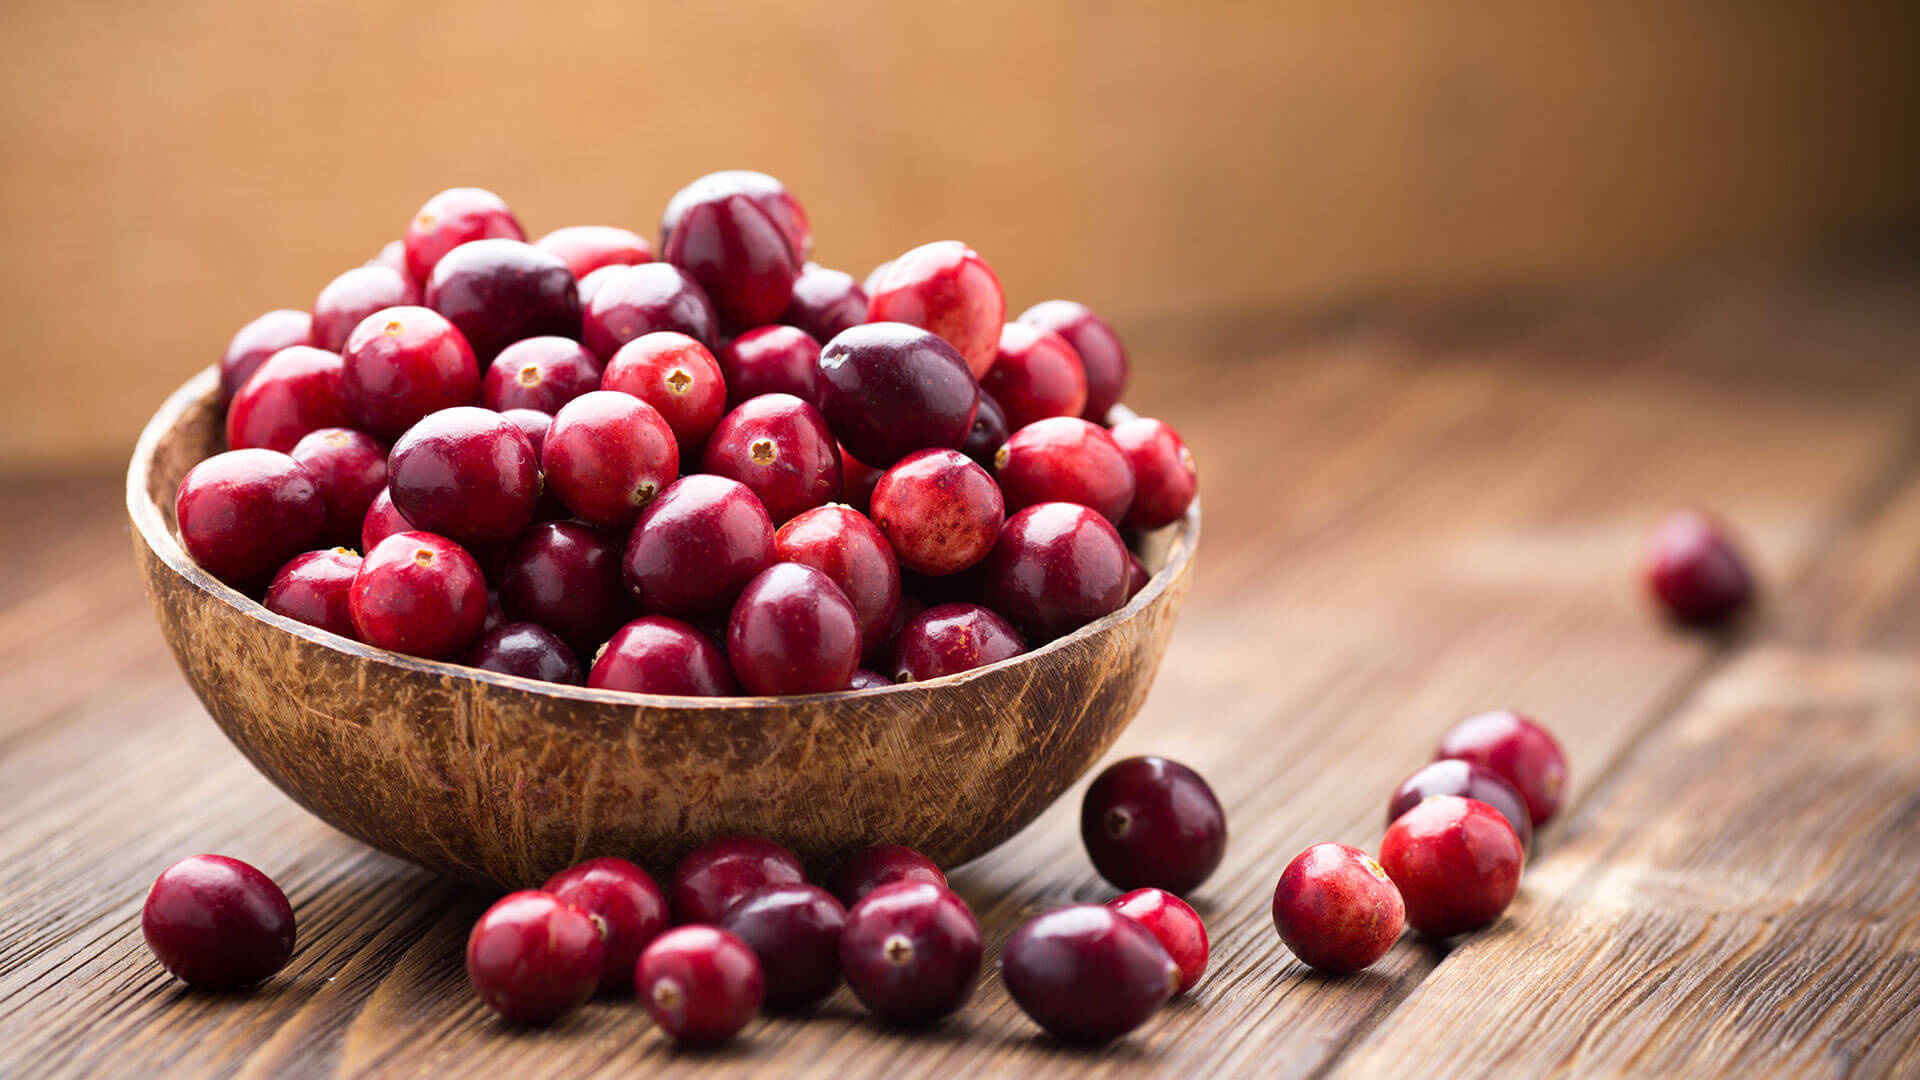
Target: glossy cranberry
{"points": [[873, 277], [779, 446], [883, 864], [951, 638], [795, 931], [737, 254], [1035, 375], [243, 513], [566, 576], [355, 295], [825, 302], [502, 291], [627, 905], [586, 248], [636, 300], [1087, 974], [867, 679], [299, 389], [313, 588], [1065, 459], [678, 377], [939, 510], [533, 958], [406, 362], [1452, 776], [1102, 356], [911, 952], [1163, 472], [465, 473], [700, 984], [419, 594], [793, 632], [256, 341], [660, 655], [765, 191], [771, 360], [1456, 862], [456, 216], [496, 615], [528, 650], [590, 284], [696, 546], [947, 288], [608, 455], [856, 481], [382, 521], [1336, 908], [532, 423], [1137, 576], [988, 433], [1055, 568], [217, 923], [1694, 571], [889, 389], [393, 256], [351, 469], [541, 373], [1172, 922], [841, 543], [1150, 822], [722, 872], [1522, 752]]}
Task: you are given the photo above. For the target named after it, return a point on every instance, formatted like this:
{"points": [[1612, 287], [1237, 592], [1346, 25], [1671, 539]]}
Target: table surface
{"points": [[1412, 515]]}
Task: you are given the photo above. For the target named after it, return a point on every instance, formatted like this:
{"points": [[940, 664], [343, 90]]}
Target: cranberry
{"points": [[737, 254], [566, 577], [1456, 862], [1174, 923], [1163, 472], [419, 594], [722, 872], [700, 984], [947, 288], [659, 655], [634, 300], [988, 433], [496, 615], [1694, 570], [541, 373], [765, 191], [771, 360], [911, 952], [532, 423], [1336, 908], [586, 248], [355, 295], [351, 469], [243, 513], [256, 341], [382, 521], [890, 389], [697, 545], [1452, 776], [299, 389], [589, 284], [1521, 751], [218, 923], [528, 650], [1065, 459], [1055, 568], [393, 256], [795, 931], [873, 277], [793, 632], [629, 908], [1035, 375], [841, 543], [678, 377], [883, 864], [1101, 354], [1152, 822], [949, 639], [502, 291], [608, 455], [1087, 974], [454, 217], [856, 481], [779, 446], [939, 510], [465, 473], [825, 302], [406, 362], [533, 958], [313, 588], [867, 679], [1137, 576]]}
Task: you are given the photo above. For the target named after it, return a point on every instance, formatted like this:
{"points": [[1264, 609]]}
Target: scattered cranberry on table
{"points": [[528, 650], [1519, 750], [314, 588], [419, 594], [451, 218], [1087, 974], [780, 447], [353, 296], [608, 455], [403, 363], [297, 390], [793, 631], [586, 248], [1101, 354], [259, 339], [244, 513], [1452, 776], [1456, 862], [1694, 570], [466, 473], [678, 377], [843, 544], [533, 957], [656, 654], [947, 288], [722, 872], [911, 951], [701, 984], [939, 509], [540, 373], [217, 923], [951, 638], [795, 931], [883, 864], [628, 907], [1337, 909], [1173, 921], [1150, 822], [1065, 459]]}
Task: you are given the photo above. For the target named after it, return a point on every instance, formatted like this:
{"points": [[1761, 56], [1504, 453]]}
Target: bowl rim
{"points": [[151, 525]]}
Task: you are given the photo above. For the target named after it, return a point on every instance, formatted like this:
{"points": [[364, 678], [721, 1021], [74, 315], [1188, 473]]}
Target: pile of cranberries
{"points": [[725, 470]]}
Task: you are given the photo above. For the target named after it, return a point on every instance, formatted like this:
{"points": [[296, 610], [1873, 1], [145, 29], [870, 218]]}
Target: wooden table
{"points": [[1411, 516]]}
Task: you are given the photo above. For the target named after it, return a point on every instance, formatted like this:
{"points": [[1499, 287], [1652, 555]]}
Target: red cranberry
{"points": [[771, 360], [586, 248], [952, 638], [765, 191], [1456, 862], [313, 588], [738, 255], [635, 300], [1174, 923], [700, 984], [1101, 354], [939, 510], [890, 389], [608, 455], [697, 545], [566, 577], [1087, 974], [911, 952], [355, 295], [454, 217], [1152, 822], [947, 288], [659, 655], [825, 302], [258, 340], [1163, 472], [532, 423], [217, 923], [465, 473], [841, 543], [541, 373], [382, 521], [988, 434], [406, 362], [589, 284], [1055, 568], [243, 513], [622, 898], [528, 650], [1452, 776], [867, 679], [502, 291], [351, 469], [1694, 570], [1065, 459], [720, 873], [1137, 576], [678, 377], [883, 864], [856, 481], [1035, 375], [393, 256], [793, 632], [779, 446], [299, 389], [795, 931], [1521, 751], [1336, 908], [419, 594], [533, 958]]}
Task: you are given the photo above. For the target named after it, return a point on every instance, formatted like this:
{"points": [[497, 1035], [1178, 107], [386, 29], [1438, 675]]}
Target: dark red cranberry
{"points": [[793, 632], [419, 594], [1065, 459], [355, 295], [660, 655], [1336, 908], [244, 513], [1102, 356], [1452, 776], [696, 546], [1150, 822], [635, 300], [939, 509], [841, 543], [765, 191], [700, 984], [911, 952], [217, 923], [256, 341], [351, 469], [738, 255], [795, 931], [496, 615], [608, 455], [406, 362], [1055, 568], [393, 256], [947, 288], [532, 423], [988, 434], [540, 373], [528, 650], [586, 248], [949, 639], [626, 903], [1694, 570], [456, 216], [313, 588], [889, 389], [566, 577], [1035, 375], [771, 360], [720, 873], [382, 521], [779, 446], [1087, 974], [465, 473], [883, 864], [825, 302], [1163, 472], [856, 481], [1137, 576], [867, 679], [1172, 922], [502, 291], [534, 958], [1456, 862], [678, 377], [1522, 752], [299, 389]]}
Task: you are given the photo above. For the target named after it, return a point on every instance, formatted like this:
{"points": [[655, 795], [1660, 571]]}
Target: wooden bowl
{"points": [[500, 779]]}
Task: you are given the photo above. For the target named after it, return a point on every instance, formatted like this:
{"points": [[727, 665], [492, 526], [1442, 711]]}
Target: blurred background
{"points": [[172, 170]]}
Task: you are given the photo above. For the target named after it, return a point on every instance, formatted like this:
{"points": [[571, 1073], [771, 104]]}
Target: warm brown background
{"points": [[172, 169]]}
